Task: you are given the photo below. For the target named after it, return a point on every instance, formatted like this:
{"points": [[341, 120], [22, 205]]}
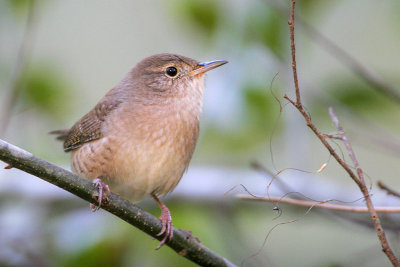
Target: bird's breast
{"points": [[152, 149]]}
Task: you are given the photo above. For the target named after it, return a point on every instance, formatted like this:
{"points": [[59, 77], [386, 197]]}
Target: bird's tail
{"points": [[61, 134]]}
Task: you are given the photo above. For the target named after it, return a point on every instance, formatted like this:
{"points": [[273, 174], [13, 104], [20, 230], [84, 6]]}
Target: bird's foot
{"points": [[167, 229], [8, 167], [103, 188], [166, 222]]}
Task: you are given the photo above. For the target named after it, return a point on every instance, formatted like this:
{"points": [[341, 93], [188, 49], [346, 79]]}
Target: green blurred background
{"points": [[75, 51]]}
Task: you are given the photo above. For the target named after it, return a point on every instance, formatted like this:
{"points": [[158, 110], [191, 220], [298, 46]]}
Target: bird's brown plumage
{"points": [[89, 128], [141, 135]]}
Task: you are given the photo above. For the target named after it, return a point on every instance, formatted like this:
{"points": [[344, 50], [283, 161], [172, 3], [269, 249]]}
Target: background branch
{"points": [[183, 243], [319, 204], [370, 77], [388, 189], [15, 85]]}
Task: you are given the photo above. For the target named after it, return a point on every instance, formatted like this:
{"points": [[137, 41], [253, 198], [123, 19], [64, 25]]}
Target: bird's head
{"points": [[170, 75]]}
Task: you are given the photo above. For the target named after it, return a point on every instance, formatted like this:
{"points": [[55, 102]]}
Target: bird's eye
{"points": [[171, 71]]}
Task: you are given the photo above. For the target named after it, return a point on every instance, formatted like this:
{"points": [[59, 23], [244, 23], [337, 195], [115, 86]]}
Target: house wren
{"points": [[140, 137]]}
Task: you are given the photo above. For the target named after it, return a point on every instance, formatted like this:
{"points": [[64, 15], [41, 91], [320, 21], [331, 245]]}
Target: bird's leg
{"points": [[102, 187], [166, 222]]}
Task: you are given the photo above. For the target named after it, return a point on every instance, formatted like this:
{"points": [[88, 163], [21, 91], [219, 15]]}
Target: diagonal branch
{"points": [[370, 77], [347, 144], [388, 189], [184, 244], [359, 180], [23, 56], [374, 216]]}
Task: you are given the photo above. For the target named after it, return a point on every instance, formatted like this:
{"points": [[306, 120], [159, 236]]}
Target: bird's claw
{"points": [[102, 187], [167, 228]]}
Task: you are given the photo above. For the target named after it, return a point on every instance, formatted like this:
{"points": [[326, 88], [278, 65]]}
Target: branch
{"points": [[14, 87], [293, 48], [388, 189], [379, 229], [348, 145], [359, 180], [184, 244], [319, 204]]}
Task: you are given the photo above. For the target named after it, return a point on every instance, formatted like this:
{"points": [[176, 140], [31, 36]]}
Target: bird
{"points": [[139, 138]]}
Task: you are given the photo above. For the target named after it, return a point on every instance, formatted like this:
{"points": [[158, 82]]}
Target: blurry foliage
{"points": [[202, 14], [395, 15], [310, 8], [261, 111], [218, 142], [19, 7], [43, 88], [128, 246], [356, 94], [265, 26], [106, 253], [261, 107]]}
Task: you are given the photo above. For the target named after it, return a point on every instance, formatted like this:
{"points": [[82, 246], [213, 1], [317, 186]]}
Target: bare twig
{"points": [[182, 242], [379, 229], [388, 189], [293, 48], [332, 136], [322, 204], [359, 180], [14, 87], [347, 144]]}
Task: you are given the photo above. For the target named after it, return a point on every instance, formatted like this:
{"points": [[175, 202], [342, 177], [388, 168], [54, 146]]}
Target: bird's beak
{"points": [[206, 66]]}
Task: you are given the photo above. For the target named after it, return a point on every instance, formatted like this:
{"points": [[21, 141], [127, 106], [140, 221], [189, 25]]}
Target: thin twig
{"points": [[183, 243], [323, 204], [347, 144], [379, 229], [14, 87], [293, 48], [324, 142], [359, 180], [388, 189], [332, 136]]}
